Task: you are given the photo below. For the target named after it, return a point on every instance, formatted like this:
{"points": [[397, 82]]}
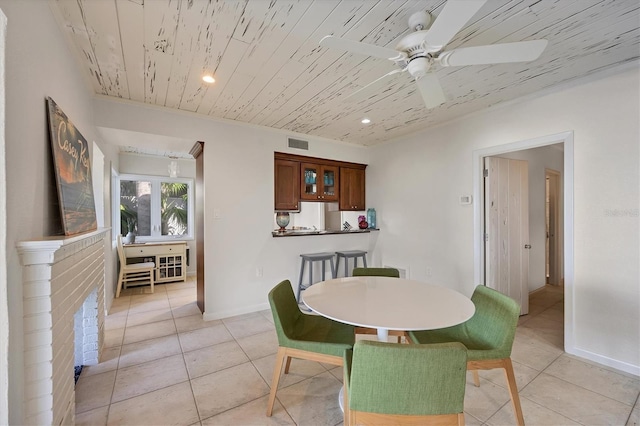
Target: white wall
{"points": [[159, 166], [238, 175], [38, 64], [538, 159], [415, 184]]}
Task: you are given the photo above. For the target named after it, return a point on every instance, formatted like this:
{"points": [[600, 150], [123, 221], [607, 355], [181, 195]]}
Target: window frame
{"points": [[156, 220]]}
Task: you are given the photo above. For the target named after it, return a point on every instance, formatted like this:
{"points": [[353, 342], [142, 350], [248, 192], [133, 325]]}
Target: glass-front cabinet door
{"points": [[319, 182], [329, 183], [309, 181]]}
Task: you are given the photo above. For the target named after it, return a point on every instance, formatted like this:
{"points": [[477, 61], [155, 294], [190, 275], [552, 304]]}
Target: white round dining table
{"points": [[386, 303]]}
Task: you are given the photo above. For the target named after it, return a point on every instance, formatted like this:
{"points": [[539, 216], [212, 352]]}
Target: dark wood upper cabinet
{"points": [[352, 189], [299, 178], [287, 184]]}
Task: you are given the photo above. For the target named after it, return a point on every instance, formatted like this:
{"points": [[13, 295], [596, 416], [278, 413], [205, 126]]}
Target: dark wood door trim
{"points": [[197, 152]]}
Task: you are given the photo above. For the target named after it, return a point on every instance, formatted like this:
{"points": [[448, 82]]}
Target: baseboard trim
{"points": [[233, 312], [609, 362]]}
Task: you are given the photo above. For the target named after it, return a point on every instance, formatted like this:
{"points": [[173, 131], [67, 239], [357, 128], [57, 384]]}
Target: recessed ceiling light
{"points": [[208, 78], [365, 121]]}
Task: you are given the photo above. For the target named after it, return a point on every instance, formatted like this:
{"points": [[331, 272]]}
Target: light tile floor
{"points": [[164, 365]]}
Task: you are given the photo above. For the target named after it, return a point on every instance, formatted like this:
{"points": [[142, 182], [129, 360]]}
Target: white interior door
{"points": [[507, 228]]}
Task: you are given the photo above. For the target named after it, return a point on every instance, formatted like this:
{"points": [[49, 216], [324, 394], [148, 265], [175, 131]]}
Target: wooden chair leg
{"points": [[277, 369], [353, 418], [119, 286], [476, 378], [345, 404], [151, 279], [513, 390], [461, 419], [286, 367]]}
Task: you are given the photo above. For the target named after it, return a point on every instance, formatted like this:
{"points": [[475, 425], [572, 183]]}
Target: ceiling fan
{"points": [[420, 50]]}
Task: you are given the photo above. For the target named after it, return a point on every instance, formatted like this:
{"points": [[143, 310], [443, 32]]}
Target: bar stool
{"points": [[347, 254], [314, 257]]}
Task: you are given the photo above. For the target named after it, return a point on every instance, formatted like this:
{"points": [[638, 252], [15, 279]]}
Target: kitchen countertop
{"points": [[303, 232]]}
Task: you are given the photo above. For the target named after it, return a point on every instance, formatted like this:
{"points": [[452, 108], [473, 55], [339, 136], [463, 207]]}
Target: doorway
{"points": [[537, 279], [553, 251]]}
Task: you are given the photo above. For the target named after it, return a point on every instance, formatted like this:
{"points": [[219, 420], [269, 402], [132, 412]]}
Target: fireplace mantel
{"points": [[43, 251], [60, 275]]}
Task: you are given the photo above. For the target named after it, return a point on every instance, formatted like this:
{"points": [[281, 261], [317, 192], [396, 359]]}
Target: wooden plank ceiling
{"points": [[271, 71]]}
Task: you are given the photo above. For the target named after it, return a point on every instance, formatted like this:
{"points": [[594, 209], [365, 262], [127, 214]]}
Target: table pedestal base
{"points": [[383, 334]]}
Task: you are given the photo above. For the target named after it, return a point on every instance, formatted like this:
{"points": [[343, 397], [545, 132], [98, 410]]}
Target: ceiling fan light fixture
{"points": [[208, 78], [418, 67], [365, 121]]}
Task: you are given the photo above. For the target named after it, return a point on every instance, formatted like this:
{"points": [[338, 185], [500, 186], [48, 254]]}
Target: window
{"points": [[155, 208]]}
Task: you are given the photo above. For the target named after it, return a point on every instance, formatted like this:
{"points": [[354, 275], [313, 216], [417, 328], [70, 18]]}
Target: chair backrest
{"points": [[494, 322], [121, 252], [376, 272], [285, 310], [418, 380]]}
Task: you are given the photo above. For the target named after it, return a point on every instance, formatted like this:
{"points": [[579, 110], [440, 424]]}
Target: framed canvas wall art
{"points": [[72, 167]]}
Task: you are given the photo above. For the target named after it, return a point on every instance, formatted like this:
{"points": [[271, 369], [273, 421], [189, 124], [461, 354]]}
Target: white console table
{"points": [[169, 257]]}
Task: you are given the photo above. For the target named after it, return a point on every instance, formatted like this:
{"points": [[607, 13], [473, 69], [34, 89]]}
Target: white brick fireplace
{"points": [[63, 285]]}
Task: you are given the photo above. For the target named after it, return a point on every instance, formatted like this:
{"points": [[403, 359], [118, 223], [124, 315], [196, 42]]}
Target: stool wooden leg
{"points": [[337, 267], [364, 260], [323, 268], [346, 266], [310, 274], [334, 269]]}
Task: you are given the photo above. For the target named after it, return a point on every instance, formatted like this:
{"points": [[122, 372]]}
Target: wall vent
{"points": [[298, 144]]}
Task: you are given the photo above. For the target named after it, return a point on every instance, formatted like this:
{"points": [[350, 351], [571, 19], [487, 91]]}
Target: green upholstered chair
{"points": [[378, 272], [488, 336], [311, 337], [391, 384]]}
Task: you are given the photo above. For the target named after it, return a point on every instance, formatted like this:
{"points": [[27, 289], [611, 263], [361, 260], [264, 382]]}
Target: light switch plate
{"points": [[466, 199]]}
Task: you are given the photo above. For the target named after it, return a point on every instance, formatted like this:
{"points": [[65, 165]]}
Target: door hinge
{"points": [[485, 173], [527, 246], [486, 238]]}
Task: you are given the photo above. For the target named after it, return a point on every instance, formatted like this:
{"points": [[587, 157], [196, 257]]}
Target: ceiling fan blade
{"points": [[452, 18], [363, 91], [431, 90], [521, 51], [360, 48]]}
